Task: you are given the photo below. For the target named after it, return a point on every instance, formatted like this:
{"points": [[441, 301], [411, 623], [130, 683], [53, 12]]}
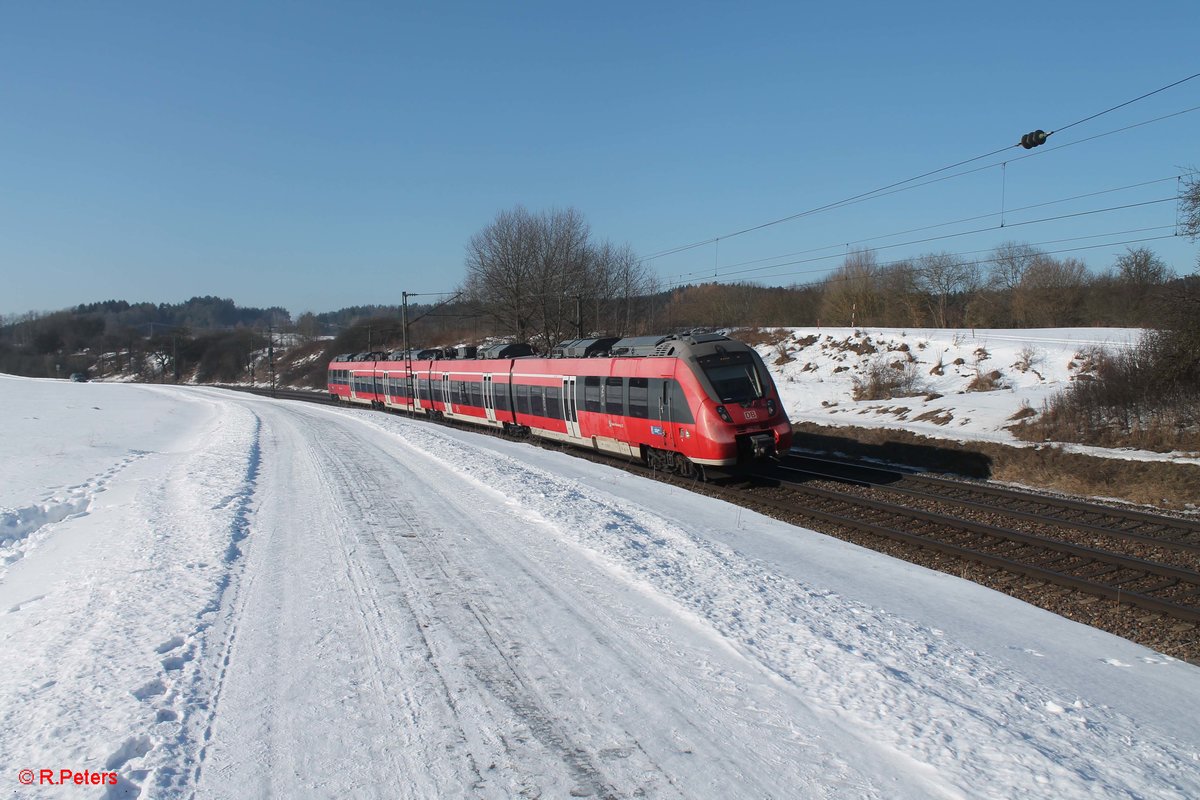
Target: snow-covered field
{"points": [[816, 369], [213, 595]]}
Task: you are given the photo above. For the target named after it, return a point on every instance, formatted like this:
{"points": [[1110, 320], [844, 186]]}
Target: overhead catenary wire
{"points": [[973, 231], [902, 183], [934, 225], [1128, 102], [976, 262], [993, 228], [1033, 154]]}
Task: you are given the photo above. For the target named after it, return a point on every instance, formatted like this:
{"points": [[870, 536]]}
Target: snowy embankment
{"points": [[968, 384], [223, 596]]}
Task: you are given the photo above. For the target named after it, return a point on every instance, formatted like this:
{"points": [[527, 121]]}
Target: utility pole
{"points": [[408, 383], [271, 356], [578, 317]]}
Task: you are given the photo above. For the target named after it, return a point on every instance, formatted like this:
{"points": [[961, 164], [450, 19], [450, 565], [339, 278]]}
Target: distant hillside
{"points": [[142, 340]]}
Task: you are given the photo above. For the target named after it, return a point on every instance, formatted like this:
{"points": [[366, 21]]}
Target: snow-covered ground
{"points": [[816, 369], [213, 595]]}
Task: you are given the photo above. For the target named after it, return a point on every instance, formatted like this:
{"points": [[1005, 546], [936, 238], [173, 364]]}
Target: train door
{"points": [[569, 410], [664, 414], [489, 404], [414, 399], [446, 405]]}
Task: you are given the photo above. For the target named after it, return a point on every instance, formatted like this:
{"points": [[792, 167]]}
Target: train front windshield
{"points": [[734, 377]]}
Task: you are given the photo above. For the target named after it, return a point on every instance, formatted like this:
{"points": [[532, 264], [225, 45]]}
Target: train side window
{"points": [[554, 402], [535, 401], [476, 394], [614, 396], [522, 399], [501, 392], [591, 394], [639, 396]]}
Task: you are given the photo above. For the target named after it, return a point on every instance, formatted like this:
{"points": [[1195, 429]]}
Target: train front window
{"points": [[733, 377]]}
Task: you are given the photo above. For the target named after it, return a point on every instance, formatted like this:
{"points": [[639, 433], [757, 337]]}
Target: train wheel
{"points": [[688, 468], [660, 460]]}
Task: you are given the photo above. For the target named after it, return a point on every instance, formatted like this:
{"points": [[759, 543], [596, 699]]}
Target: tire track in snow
{"points": [[456, 632], [524, 669], [380, 626]]}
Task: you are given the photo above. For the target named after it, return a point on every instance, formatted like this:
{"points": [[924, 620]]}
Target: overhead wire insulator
{"points": [[1033, 139]]}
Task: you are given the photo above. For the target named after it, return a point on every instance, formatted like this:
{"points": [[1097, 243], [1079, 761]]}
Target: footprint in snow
{"points": [[169, 645]]}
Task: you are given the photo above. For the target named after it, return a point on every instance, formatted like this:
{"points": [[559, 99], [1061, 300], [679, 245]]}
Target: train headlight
{"points": [[770, 407], [724, 414]]}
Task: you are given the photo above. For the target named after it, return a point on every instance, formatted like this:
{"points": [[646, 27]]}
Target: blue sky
{"points": [[319, 155]]}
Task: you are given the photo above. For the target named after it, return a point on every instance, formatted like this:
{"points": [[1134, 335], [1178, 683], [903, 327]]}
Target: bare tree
{"points": [[904, 305], [1189, 198], [1009, 263], [308, 326], [1007, 267], [1051, 293], [562, 262], [851, 293], [616, 282], [533, 274], [947, 282], [1142, 268], [502, 260]]}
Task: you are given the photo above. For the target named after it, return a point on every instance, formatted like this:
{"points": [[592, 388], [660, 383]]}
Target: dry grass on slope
{"points": [[1163, 484]]}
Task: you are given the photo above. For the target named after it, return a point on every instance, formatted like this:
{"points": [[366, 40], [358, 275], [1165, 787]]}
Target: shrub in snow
{"points": [[883, 381]]}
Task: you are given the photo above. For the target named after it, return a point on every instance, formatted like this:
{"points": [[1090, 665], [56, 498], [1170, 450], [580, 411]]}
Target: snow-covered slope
{"points": [[968, 383], [220, 596]]}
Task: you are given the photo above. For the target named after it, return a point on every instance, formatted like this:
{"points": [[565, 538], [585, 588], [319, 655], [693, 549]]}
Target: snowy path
{"points": [[437, 646], [229, 597]]}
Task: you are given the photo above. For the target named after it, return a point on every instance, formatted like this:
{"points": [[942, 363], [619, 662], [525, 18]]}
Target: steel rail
{"points": [[1127, 562], [1167, 525], [1173, 610]]}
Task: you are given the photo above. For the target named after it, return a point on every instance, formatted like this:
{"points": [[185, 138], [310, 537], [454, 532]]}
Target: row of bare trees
{"points": [[540, 277], [1018, 286]]}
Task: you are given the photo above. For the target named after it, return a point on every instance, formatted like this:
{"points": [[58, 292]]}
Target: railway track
{"points": [[1061, 554], [1104, 520], [1158, 575]]}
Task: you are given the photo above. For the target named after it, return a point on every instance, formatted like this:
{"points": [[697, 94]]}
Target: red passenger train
{"points": [[677, 402]]}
